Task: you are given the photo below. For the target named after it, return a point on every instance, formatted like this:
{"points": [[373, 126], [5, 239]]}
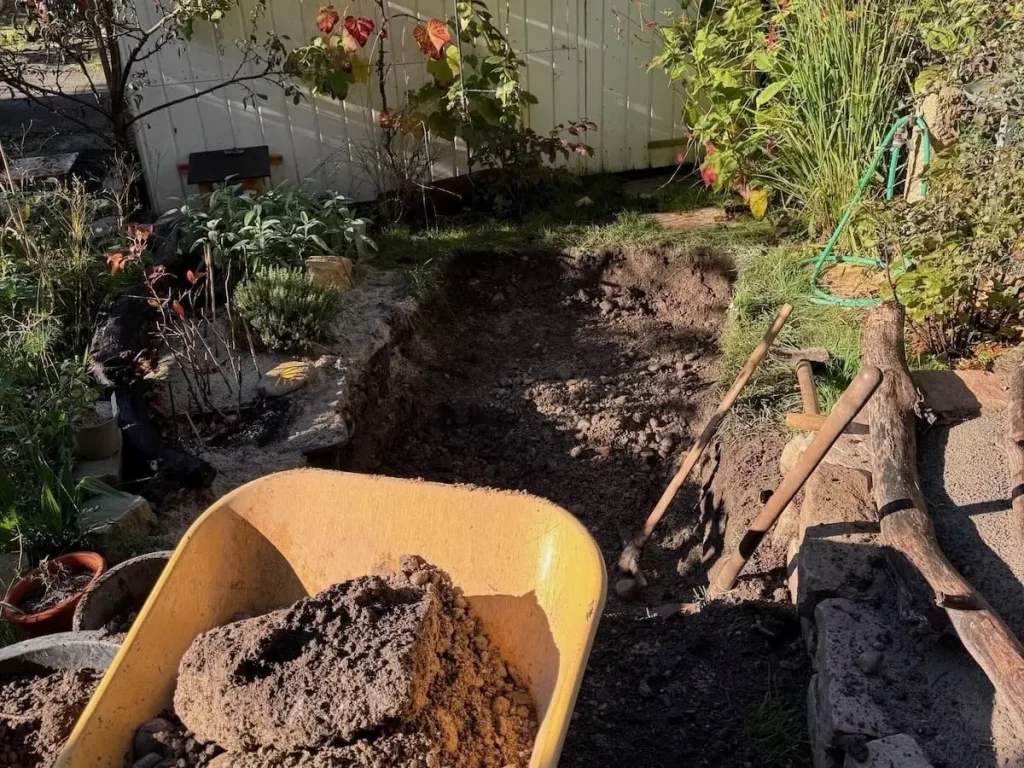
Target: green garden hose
{"points": [[893, 141]]}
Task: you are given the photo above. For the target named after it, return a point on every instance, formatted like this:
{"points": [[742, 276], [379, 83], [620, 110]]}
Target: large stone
{"points": [[850, 450], [845, 711], [899, 751], [118, 524], [962, 394], [331, 271], [821, 757], [836, 553]]}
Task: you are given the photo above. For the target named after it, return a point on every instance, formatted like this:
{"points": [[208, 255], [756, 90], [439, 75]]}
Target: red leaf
{"points": [[708, 175], [384, 119], [680, 158], [178, 309], [115, 261], [326, 18], [709, 148], [359, 27], [432, 37], [191, 277]]}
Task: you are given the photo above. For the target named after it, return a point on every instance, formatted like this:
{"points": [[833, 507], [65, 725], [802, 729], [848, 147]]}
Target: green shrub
{"points": [[287, 311], [966, 239], [279, 228]]}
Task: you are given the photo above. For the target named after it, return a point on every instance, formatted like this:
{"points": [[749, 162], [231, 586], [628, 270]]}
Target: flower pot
{"points": [[56, 618], [121, 590], [97, 435]]}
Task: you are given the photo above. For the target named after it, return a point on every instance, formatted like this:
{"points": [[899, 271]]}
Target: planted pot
{"points": [[97, 435], [45, 600]]}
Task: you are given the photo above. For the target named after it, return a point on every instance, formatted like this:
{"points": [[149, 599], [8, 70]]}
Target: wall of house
{"points": [[585, 58]]}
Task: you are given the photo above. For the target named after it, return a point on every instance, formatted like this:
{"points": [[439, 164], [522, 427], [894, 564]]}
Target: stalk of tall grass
{"points": [[846, 68]]}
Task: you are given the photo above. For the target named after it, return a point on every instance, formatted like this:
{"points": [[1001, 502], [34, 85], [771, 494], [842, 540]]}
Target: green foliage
{"points": [[279, 228], [8, 633], [776, 730], [53, 283], [966, 239], [766, 281], [793, 95], [287, 311]]}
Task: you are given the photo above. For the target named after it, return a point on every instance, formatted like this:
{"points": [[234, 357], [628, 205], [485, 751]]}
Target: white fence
{"points": [[585, 58]]}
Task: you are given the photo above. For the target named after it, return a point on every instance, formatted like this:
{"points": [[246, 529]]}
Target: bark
{"points": [[921, 567]]}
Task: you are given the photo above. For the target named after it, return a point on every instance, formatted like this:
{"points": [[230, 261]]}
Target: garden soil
{"points": [[584, 379], [37, 713], [377, 671]]}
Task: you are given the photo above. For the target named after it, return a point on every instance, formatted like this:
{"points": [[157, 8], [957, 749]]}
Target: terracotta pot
{"points": [[57, 618]]}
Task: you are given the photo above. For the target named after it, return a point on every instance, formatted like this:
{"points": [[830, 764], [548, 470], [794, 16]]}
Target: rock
{"points": [[844, 709], [118, 524], [288, 377], [787, 527], [150, 760], [691, 356], [582, 425], [144, 742], [666, 444], [584, 201], [606, 306], [792, 451], [898, 751], [955, 395], [498, 298], [331, 271], [620, 400], [627, 589], [870, 662], [562, 372], [575, 451], [653, 367], [850, 450], [836, 551]]}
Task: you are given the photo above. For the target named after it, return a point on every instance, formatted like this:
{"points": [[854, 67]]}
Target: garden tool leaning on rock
{"points": [[629, 561]]}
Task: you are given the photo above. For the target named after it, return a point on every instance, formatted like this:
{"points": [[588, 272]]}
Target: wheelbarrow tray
{"points": [[530, 570]]}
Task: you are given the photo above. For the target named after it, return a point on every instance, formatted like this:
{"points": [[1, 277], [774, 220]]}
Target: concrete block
{"points": [[845, 711], [118, 524], [105, 470], [899, 751], [821, 757]]}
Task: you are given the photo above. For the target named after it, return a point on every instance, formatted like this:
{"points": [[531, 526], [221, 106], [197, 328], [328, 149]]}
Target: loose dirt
{"points": [[377, 671], [584, 380], [37, 714]]}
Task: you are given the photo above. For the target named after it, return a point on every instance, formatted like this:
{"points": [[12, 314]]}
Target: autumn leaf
{"points": [[191, 277], [384, 118], [757, 201], [359, 27], [115, 261], [680, 158], [153, 302], [360, 69], [432, 37], [178, 309], [326, 18]]}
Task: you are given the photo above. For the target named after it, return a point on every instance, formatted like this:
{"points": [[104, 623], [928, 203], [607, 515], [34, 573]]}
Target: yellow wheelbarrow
{"points": [[533, 574]]}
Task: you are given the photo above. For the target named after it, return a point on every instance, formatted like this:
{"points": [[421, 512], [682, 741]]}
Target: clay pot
{"points": [[97, 435], [57, 618]]}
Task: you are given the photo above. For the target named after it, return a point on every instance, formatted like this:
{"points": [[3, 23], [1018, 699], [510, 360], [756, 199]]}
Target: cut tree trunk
{"points": [[1015, 448], [921, 567]]}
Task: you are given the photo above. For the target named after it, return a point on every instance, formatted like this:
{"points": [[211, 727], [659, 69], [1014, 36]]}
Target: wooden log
{"points": [[1015, 447], [907, 531]]}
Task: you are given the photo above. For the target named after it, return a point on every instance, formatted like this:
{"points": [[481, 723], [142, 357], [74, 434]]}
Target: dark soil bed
{"points": [[584, 380]]}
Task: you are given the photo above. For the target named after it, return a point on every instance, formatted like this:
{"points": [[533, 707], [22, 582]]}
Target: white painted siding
{"points": [[585, 58]]}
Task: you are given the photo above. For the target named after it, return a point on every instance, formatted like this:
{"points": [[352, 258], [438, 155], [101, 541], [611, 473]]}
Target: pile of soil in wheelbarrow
{"points": [[382, 670], [37, 713]]}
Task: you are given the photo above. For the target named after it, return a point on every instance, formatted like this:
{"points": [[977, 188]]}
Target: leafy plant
{"points": [[280, 227], [966, 239], [287, 311]]}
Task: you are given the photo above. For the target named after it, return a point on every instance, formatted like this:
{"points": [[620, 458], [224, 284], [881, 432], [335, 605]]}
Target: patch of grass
{"points": [[776, 730], [764, 283]]}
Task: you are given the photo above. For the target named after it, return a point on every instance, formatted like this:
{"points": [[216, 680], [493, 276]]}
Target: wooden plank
{"points": [[921, 567]]}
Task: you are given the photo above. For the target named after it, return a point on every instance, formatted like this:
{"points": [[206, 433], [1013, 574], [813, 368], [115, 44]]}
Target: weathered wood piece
{"points": [[918, 561]]}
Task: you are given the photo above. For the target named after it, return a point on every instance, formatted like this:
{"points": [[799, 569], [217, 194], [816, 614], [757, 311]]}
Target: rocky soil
{"points": [[584, 380], [37, 713], [377, 671]]}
